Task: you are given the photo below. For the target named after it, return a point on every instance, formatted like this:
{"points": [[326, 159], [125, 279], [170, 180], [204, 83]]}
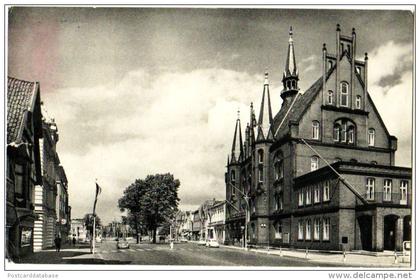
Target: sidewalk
{"points": [[80, 254], [352, 258]]}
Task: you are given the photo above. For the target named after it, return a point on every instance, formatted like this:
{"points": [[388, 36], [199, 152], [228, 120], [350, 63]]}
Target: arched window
{"points": [[278, 166], [344, 96], [314, 163], [344, 131], [358, 102], [371, 137], [260, 174], [260, 156], [289, 85], [232, 176], [294, 84], [315, 130], [330, 97]]}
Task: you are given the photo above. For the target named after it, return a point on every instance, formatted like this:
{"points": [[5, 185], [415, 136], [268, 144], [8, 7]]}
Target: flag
{"points": [[98, 191]]}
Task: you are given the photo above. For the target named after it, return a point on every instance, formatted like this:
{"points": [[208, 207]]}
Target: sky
{"points": [[138, 91]]}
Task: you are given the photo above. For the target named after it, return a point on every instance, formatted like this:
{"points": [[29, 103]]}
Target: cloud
{"points": [[390, 86], [147, 123]]}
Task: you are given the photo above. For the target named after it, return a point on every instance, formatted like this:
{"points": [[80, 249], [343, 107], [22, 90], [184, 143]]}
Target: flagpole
{"points": [[94, 218]]}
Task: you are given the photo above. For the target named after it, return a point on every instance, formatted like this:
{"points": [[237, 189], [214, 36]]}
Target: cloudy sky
{"points": [[136, 91]]}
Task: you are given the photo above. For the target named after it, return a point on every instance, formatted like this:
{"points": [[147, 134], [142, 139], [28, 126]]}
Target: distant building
{"points": [[23, 164], [62, 205], [216, 225], [196, 226], [279, 173], [78, 230]]}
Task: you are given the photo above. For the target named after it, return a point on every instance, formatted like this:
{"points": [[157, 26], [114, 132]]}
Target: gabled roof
{"points": [[302, 102], [21, 97]]}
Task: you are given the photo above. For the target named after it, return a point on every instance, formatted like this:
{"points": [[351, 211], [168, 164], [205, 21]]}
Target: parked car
{"points": [[212, 243], [201, 242], [183, 240], [98, 239], [123, 244]]}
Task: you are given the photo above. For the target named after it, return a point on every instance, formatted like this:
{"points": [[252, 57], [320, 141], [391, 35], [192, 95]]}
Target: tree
{"points": [[151, 202], [88, 221]]}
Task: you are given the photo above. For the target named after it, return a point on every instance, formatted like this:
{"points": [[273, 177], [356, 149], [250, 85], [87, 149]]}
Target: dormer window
{"points": [[314, 163], [344, 94]]}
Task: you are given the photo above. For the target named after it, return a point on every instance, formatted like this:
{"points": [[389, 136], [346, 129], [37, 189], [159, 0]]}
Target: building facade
{"points": [[330, 134], [62, 205], [46, 194], [78, 230], [216, 224], [23, 164]]}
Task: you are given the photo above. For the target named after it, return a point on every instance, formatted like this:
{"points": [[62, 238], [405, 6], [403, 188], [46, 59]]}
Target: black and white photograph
{"points": [[201, 137]]}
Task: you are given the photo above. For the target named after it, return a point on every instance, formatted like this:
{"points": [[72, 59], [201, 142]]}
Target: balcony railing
{"points": [[388, 198]]}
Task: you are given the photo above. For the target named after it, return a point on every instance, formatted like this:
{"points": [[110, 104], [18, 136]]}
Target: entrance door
{"points": [[389, 232], [407, 228], [365, 225]]}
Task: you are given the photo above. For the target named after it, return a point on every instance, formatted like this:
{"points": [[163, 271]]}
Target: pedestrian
{"points": [[57, 242], [74, 241]]}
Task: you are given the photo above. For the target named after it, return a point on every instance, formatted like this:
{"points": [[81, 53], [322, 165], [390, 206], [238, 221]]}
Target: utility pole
{"points": [[94, 234]]}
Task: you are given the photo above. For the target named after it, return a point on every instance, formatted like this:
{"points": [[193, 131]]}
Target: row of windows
{"points": [[306, 197], [344, 131], [344, 97], [311, 230], [387, 190]]}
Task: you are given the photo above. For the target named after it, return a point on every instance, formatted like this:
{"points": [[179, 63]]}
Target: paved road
{"points": [[192, 254]]}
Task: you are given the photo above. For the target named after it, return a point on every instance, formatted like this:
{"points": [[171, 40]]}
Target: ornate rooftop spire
{"points": [[237, 147], [290, 69], [265, 118]]}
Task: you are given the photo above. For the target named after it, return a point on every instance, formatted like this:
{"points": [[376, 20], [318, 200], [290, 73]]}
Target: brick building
{"points": [[23, 167], [328, 143]]}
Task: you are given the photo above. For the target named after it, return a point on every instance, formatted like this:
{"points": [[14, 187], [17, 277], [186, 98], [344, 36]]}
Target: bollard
{"points": [[306, 253], [172, 245], [395, 257], [344, 255], [280, 253]]}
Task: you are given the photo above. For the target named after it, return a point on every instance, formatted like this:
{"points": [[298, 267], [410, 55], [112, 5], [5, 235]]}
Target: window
{"points": [[278, 166], [337, 159], [300, 197], [308, 196], [330, 97], [358, 102], [370, 189], [300, 230], [403, 192], [344, 131], [308, 230], [232, 176], [260, 156], [358, 70], [326, 229], [279, 204], [19, 180], [260, 174], [314, 163], [344, 94], [371, 137], [343, 135], [351, 134], [327, 191], [315, 130], [337, 129], [330, 64], [374, 162], [279, 231], [317, 227], [387, 189], [317, 194]]}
